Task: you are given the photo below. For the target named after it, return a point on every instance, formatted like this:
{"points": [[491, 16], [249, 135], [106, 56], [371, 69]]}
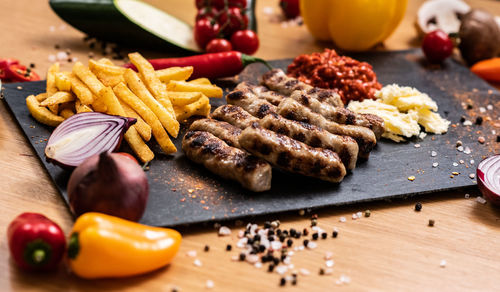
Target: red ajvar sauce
{"points": [[353, 80]]}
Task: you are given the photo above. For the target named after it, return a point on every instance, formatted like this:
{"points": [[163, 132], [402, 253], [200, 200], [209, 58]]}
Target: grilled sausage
{"points": [[234, 115], [278, 81], [245, 98], [292, 155], [263, 92], [222, 130], [293, 110], [346, 147], [226, 161], [339, 114]]}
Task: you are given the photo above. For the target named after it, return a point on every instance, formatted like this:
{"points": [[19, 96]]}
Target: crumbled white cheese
{"points": [[404, 110]]}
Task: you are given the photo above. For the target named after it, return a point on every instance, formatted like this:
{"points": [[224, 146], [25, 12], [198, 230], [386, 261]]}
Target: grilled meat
{"points": [[346, 147], [339, 114], [263, 92], [222, 130], [278, 81], [292, 155], [245, 98], [234, 115], [293, 110], [226, 161]]}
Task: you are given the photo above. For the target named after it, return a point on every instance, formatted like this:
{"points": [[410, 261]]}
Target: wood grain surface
{"points": [[393, 250]]}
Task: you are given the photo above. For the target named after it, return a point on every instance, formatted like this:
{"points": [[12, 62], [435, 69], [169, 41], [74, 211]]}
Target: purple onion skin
{"points": [[489, 194], [109, 183]]}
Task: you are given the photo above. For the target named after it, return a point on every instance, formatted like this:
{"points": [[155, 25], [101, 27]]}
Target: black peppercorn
{"points": [[479, 120], [305, 232], [498, 139], [262, 248], [278, 232], [267, 224], [256, 237], [335, 233], [462, 119], [294, 281], [324, 235], [270, 232], [293, 232], [229, 247], [242, 256], [431, 222], [321, 271], [282, 282], [207, 248], [306, 242], [289, 242], [270, 268], [283, 257], [315, 236], [469, 106], [282, 238], [418, 207], [298, 234], [271, 238], [276, 261]]}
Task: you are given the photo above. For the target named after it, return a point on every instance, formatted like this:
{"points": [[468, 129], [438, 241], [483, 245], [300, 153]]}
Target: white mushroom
{"points": [[441, 14]]}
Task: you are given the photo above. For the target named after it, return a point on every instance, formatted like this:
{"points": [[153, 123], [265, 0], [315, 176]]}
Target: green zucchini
{"points": [[130, 22]]}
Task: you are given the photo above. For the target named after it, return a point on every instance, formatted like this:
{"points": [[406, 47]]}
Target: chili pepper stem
{"points": [[246, 59], [73, 246], [38, 256]]}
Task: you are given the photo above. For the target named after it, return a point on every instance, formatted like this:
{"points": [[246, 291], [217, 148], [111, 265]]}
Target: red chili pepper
{"points": [[36, 243], [20, 73], [215, 65]]}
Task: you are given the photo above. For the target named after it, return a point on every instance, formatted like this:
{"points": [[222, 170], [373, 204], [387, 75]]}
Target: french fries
{"points": [[161, 136], [207, 89], [105, 87], [62, 81], [131, 136], [174, 73], [57, 98], [142, 127], [88, 78], [138, 88], [42, 114]]}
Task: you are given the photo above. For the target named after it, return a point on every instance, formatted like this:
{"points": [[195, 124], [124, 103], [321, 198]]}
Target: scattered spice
{"points": [[206, 248], [282, 281], [431, 222], [335, 233], [411, 178], [368, 213], [229, 247], [479, 120], [418, 207], [481, 139], [480, 200]]}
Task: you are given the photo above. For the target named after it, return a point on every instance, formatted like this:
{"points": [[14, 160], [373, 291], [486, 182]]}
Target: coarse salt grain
{"points": [[467, 150], [461, 161], [460, 148], [197, 263], [304, 272], [311, 245], [467, 196], [354, 216], [281, 269], [482, 109], [276, 245], [192, 253], [480, 200], [435, 164], [434, 153], [329, 263], [422, 135], [209, 284], [455, 164], [224, 230], [467, 123], [489, 107], [472, 176], [62, 56], [268, 10], [252, 258], [442, 264], [416, 145], [342, 219], [328, 271], [471, 161], [52, 58], [258, 265], [359, 214], [328, 255]]}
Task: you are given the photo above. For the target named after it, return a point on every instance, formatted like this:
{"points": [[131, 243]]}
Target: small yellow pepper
{"points": [[353, 25], [103, 246]]}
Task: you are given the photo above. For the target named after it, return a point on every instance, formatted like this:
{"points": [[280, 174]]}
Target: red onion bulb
{"points": [[109, 183], [488, 178]]}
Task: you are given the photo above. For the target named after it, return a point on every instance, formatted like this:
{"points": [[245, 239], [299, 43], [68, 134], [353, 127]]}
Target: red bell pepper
{"points": [[36, 243]]}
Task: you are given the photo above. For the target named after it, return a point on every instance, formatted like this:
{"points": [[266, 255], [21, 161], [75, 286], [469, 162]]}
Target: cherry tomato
{"points": [[205, 30], [290, 8], [128, 156], [219, 45], [206, 12], [245, 41], [232, 20], [201, 3], [242, 4], [437, 46], [20, 73]]}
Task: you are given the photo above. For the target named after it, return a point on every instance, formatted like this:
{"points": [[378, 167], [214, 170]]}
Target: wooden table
{"points": [[393, 250]]}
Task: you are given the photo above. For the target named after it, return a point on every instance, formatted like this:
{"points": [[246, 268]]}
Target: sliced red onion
{"points": [[84, 135], [488, 178]]}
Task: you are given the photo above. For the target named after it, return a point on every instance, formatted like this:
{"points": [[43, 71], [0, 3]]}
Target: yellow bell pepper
{"points": [[103, 246], [353, 25]]}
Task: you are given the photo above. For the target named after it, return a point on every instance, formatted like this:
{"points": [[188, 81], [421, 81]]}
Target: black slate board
{"points": [[182, 192]]}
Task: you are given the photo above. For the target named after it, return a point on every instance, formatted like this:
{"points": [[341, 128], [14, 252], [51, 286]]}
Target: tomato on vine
{"points": [[205, 30], [245, 41]]}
